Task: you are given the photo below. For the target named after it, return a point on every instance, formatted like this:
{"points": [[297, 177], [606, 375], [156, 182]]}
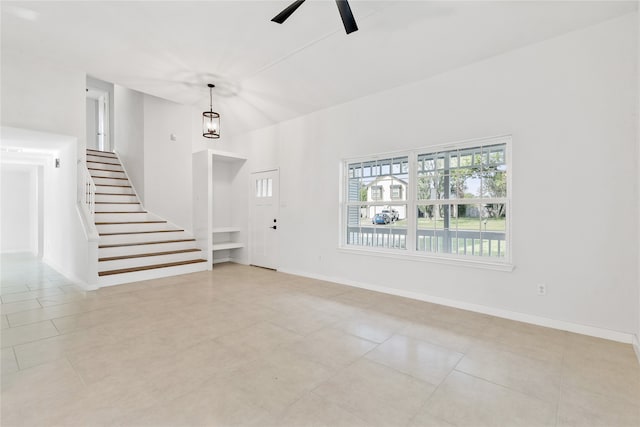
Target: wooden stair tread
{"points": [[118, 212], [150, 267], [119, 245], [130, 222], [104, 163], [100, 151], [116, 258], [104, 157], [107, 177], [113, 185], [139, 232], [117, 203], [114, 194], [104, 170]]}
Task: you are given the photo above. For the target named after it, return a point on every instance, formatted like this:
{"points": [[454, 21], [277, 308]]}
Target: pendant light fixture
{"points": [[211, 119]]}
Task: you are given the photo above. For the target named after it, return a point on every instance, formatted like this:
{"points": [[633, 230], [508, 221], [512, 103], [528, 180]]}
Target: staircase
{"points": [[134, 244]]}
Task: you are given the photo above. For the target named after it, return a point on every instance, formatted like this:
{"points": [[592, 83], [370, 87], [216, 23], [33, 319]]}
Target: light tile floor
{"points": [[247, 346]]}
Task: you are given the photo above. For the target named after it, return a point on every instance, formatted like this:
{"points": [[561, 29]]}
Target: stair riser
{"points": [[136, 238], [107, 174], [119, 190], [116, 198], [116, 279], [138, 216], [144, 249], [110, 181], [113, 207], [150, 260], [123, 228], [104, 164], [98, 160], [102, 157]]}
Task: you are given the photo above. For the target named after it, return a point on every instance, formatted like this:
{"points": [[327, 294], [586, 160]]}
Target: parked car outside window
{"points": [[393, 214], [381, 218]]}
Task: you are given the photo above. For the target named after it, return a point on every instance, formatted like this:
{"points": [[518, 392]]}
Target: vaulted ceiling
{"points": [[266, 72]]}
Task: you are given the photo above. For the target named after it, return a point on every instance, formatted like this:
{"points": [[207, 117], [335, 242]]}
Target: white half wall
{"points": [[569, 103]]}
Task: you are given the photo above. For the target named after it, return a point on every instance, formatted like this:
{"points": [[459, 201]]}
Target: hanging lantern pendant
{"points": [[211, 119]]}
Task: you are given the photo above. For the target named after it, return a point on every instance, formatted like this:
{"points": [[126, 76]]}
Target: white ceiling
{"points": [[265, 72]]}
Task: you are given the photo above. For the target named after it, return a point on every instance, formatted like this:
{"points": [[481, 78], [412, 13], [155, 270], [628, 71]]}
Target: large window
{"points": [[373, 218], [450, 201]]}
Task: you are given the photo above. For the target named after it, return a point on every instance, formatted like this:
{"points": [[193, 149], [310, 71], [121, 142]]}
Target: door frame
{"points": [[252, 213], [101, 96]]}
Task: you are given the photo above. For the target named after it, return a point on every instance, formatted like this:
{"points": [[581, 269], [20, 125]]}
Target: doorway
{"points": [[98, 137], [263, 224]]}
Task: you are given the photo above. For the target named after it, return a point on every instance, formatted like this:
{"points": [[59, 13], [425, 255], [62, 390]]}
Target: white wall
{"points": [[567, 101], [167, 164], [19, 209], [60, 219], [129, 134], [637, 342], [62, 242], [43, 96]]}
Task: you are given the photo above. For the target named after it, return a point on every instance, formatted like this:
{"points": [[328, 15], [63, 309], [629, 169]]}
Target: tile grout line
{"points": [[520, 392], [15, 356]]}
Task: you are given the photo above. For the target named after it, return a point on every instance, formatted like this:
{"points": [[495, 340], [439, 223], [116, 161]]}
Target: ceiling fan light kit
{"points": [[211, 119], [348, 20]]}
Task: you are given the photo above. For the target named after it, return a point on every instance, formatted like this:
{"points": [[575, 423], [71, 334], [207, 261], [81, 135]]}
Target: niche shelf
{"points": [[215, 231]]}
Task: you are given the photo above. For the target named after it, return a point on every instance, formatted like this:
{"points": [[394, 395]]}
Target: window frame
{"points": [[503, 264]]}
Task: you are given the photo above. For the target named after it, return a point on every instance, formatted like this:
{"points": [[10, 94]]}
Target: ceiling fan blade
{"points": [[347, 16], [282, 16]]}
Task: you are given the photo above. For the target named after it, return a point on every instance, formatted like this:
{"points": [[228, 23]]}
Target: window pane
{"points": [[425, 240], [436, 228], [378, 178], [427, 182], [467, 222], [494, 184], [356, 191], [269, 187], [468, 183], [377, 226], [258, 188], [353, 216]]}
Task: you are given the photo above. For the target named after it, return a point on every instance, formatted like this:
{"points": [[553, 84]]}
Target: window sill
{"points": [[406, 255]]}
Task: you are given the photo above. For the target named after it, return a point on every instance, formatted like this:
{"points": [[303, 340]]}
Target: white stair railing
{"points": [[86, 190]]}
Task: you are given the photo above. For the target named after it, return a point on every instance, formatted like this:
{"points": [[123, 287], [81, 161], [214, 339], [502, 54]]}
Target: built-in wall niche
{"points": [[215, 228]]}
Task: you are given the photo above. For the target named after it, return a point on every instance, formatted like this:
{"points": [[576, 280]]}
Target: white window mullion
{"points": [[412, 194]]}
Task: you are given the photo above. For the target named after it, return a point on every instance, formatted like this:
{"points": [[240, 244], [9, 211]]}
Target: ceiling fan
{"points": [[343, 6]]}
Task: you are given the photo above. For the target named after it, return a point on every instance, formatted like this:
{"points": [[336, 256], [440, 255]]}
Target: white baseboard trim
{"points": [[221, 260], [636, 346], [497, 312]]}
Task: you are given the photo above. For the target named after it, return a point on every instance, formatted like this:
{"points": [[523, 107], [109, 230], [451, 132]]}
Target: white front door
{"points": [[263, 229]]}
